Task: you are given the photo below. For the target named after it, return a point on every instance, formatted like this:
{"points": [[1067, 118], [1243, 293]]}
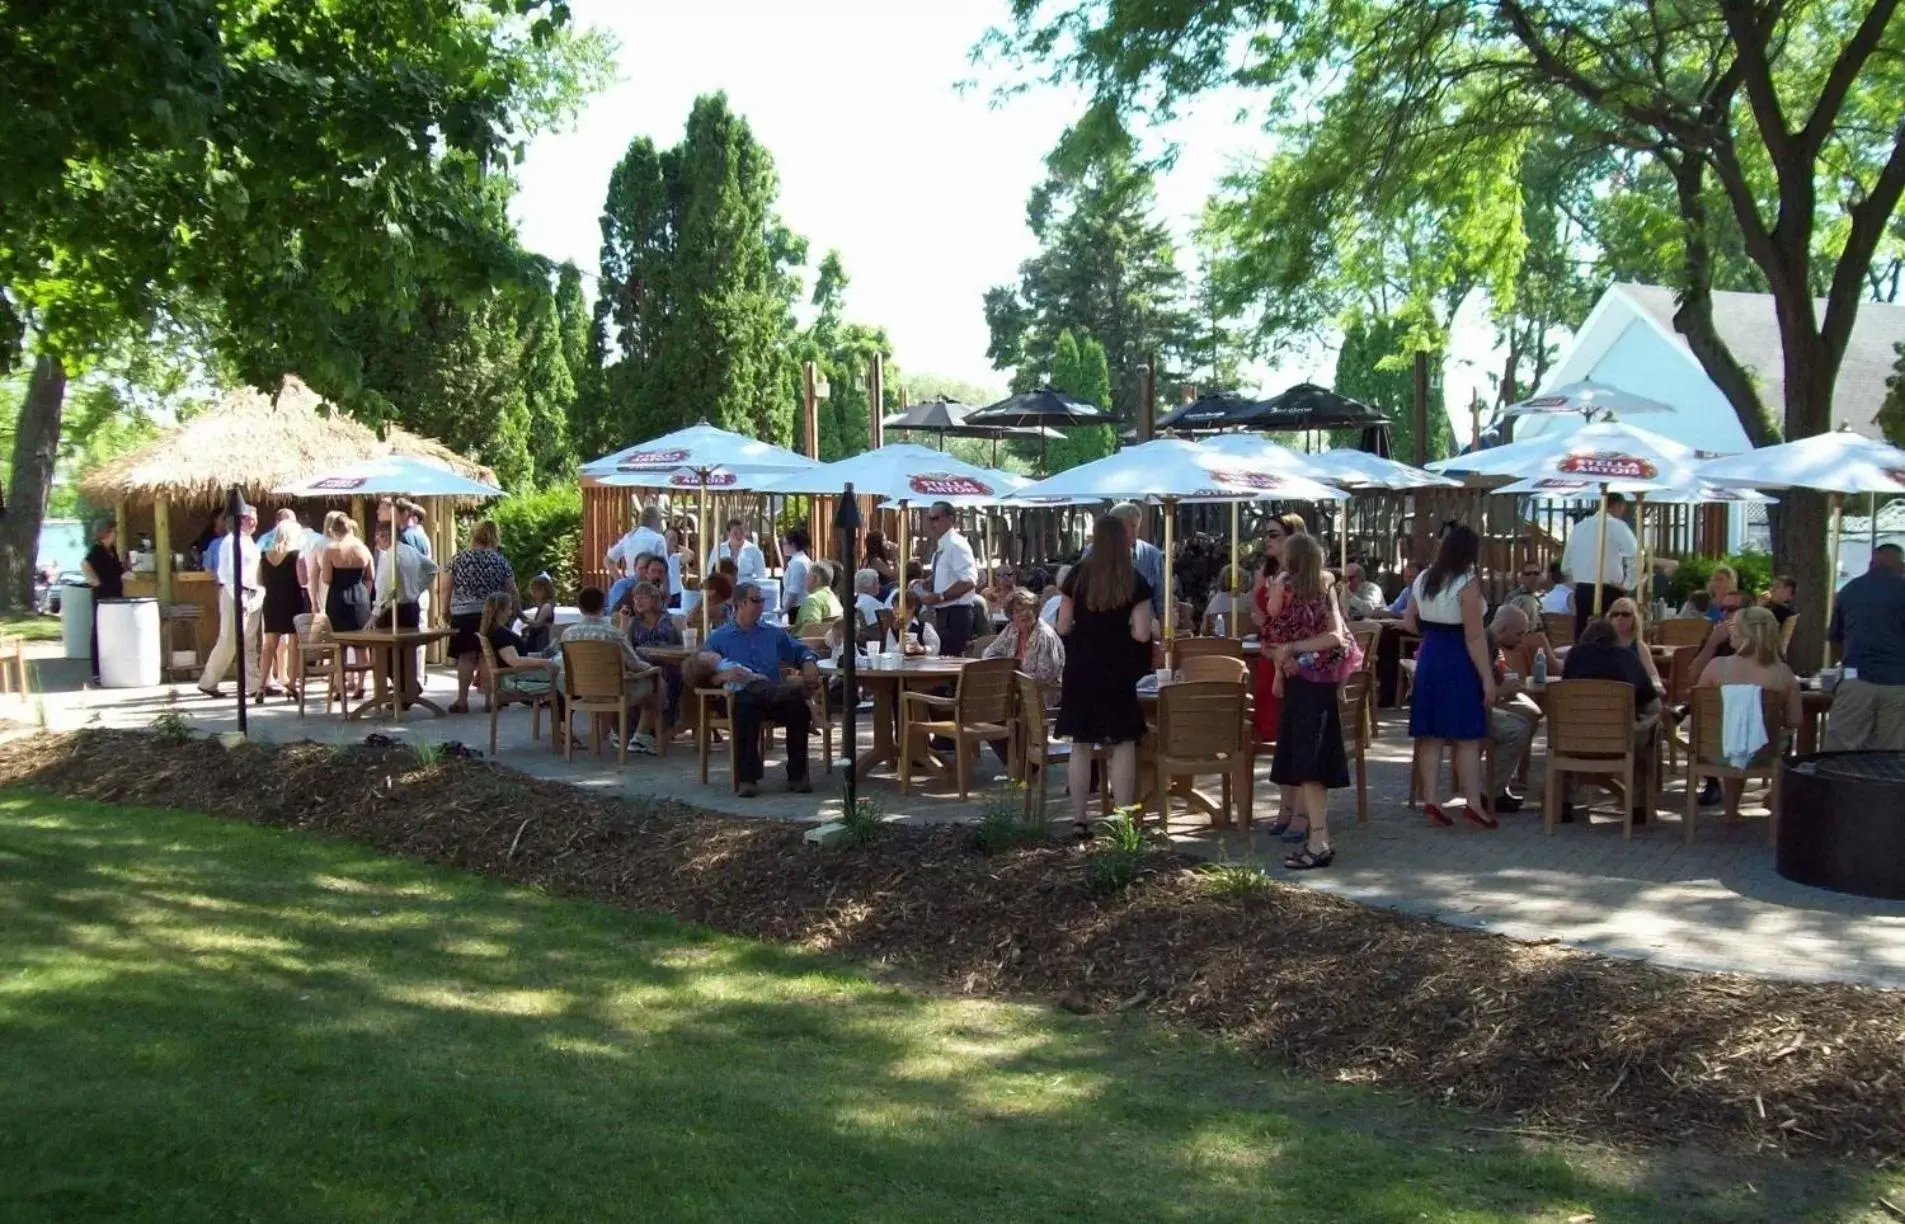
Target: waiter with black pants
{"points": [[1611, 562], [953, 596]]}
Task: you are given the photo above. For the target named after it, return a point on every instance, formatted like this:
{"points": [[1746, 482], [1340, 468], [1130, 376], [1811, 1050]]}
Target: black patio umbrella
{"points": [[1040, 409], [1211, 412], [948, 418], [1308, 406]]}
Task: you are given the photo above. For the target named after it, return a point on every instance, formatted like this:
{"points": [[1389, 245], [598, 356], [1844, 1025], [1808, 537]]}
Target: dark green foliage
{"points": [[842, 352], [1079, 369], [1105, 267], [542, 530], [862, 821], [1374, 366], [1004, 825], [698, 286], [1117, 855], [1754, 569]]}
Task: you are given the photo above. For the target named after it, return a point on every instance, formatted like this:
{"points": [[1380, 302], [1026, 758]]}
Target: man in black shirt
{"points": [[1599, 655], [1779, 600]]}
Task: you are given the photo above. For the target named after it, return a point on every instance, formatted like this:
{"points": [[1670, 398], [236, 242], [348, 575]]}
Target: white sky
{"points": [[920, 187]]}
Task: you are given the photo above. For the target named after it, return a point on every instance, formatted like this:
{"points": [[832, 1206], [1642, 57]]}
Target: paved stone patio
{"points": [[1715, 905]]}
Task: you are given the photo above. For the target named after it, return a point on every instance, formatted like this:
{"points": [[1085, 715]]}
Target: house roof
{"points": [[1747, 325]]}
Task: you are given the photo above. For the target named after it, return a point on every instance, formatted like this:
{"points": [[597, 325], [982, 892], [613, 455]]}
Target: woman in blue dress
{"points": [[1455, 680]]}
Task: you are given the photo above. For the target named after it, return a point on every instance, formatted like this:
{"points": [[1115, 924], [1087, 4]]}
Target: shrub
{"points": [[1755, 570], [1003, 823], [1119, 854], [1236, 881], [862, 820], [542, 530]]}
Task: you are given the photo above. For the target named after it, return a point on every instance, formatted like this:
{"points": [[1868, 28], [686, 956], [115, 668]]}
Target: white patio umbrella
{"points": [[700, 457], [900, 472], [1586, 397], [1276, 457], [1172, 471], [1612, 456], [1361, 472], [1836, 463]]}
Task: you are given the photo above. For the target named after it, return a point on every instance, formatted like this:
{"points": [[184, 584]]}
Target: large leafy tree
{"points": [[1105, 266], [277, 167], [1376, 365], [698, 285], [1783, 114]]}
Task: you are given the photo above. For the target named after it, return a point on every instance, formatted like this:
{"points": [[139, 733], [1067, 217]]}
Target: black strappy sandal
{"points": [[1308, 860]]}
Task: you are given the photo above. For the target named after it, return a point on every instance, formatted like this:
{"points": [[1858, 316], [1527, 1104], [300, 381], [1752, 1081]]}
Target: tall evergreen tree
{"points": [[583, 360], [548, 389], [698, 284], [1106, 266], [1080, 370], [1376, 365]]}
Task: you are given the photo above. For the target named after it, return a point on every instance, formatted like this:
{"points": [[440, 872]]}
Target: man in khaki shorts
{"points": [[1868, 624]]}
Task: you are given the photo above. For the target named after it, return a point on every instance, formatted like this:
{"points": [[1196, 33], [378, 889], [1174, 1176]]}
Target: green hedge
{"points": [[542, 530], [1755, 570]]}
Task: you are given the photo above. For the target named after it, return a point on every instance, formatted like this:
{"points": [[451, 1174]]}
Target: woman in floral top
{"points": [[476, 573], [1032, 642], [650, 625]]}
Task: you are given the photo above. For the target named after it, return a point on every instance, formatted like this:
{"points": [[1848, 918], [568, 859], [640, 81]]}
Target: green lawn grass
{"points": [[201, 1020], [32, 628]]}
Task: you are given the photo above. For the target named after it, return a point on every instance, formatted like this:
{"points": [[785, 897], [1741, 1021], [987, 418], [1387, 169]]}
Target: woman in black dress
{"points": [[1104, 617], [278, 572], [105, 573], [341, 587]]}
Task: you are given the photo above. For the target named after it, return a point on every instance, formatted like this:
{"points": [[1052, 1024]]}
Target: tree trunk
{"points": [[36, 444], [1802, 521]]}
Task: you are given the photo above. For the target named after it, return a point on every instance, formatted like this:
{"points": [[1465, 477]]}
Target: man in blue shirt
{"points": [[762, 649], [1868, 622]]}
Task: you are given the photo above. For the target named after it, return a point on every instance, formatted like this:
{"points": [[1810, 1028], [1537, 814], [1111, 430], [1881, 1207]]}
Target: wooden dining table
{"points": [[393, 652], [886, 685]]}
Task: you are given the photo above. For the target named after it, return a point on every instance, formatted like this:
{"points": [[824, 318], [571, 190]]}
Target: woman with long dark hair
{"points": [[1455, 681], [1104, 620], [1314, 652], [1266, 605]]}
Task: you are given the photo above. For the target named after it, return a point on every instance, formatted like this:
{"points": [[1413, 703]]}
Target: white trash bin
{"points": [[76, 620], [128, 643]]}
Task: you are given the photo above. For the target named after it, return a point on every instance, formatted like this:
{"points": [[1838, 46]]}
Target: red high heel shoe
{"points": [[1437, 816]]}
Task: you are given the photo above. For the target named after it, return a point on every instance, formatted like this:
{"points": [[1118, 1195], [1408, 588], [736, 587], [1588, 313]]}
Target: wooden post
{"points": [[809, 412], [876, 401], [162, 544], [1420, 408]]}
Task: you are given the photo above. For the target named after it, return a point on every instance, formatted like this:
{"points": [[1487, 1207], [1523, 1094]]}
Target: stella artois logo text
{"points": [[945, 484], [1547, 401], [650, 461], [1610, 465], [340, 484], [715, 480]]}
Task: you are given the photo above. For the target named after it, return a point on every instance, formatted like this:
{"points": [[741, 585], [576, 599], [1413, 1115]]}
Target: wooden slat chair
{"points": [[320, 658], [822, 716], [13, 664], [815, 632], [1591, 731], [980, 709], [1559, 626], [1358, 695], [976, 649], [1039, 753], [1369, 637], [713, 714], [593, 683], [1685, 631], [496, 695], [1186, 648], [1201, 730], [1221, 667], [1704, 758], [1679, 680]]}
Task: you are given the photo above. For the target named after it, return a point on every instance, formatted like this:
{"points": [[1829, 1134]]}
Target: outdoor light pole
{"points": [[234, 505], [847, 521]]}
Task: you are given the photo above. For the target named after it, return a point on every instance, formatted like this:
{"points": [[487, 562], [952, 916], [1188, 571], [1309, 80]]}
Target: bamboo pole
{"points": [[1832, 580], [1600, 550], [1235, 623], [162, 542], [1170, 604]]}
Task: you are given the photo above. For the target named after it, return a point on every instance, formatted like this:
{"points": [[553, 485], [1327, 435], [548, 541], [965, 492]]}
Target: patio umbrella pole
{"points": [[1236, 621], [1832, 581], [899, 604], [233, 504], [1170, 604], [1643, 572], [707, 573], [1600, 550]]}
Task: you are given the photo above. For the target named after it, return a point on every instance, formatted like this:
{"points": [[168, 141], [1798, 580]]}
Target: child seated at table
{"points": [[706, 669]]}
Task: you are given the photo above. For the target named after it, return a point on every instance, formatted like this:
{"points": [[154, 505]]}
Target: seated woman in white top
{"points": [[1755, 660]]}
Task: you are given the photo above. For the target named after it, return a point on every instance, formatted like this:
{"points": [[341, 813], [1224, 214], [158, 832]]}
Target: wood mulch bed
{"points": [[1564, 1041]]}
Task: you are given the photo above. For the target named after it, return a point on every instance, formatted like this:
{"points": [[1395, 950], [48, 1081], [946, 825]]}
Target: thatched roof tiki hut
{"points": [[169, 487]]}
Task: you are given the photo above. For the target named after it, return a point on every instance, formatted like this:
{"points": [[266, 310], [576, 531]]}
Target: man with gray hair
{"points": [[1514, 717], [955, 582], [1146, 557], [764, 649], [643, 539]]}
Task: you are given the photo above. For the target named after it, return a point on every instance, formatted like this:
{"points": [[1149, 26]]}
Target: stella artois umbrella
{"points": [[1586, 398], [1171, 470]]}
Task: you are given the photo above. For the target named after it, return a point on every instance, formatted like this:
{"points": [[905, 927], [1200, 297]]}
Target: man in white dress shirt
{"points": [[749, 564], [236, 559], [955, 582], [794, 573], [1618, 560], [644, 539]]}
